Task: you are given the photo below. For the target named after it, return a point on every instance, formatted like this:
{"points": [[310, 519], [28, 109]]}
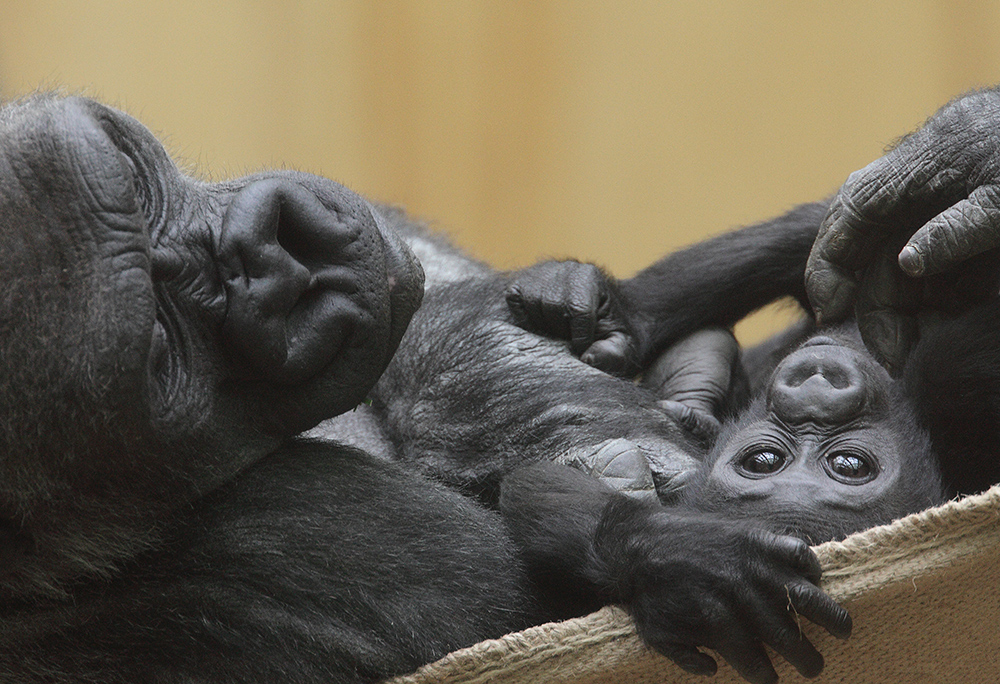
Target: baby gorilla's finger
{"points": [[582, 309], [795, 553], [788, 641], [702, 426], [615, 355], [815, 605], [746, 655], [560, 299], [688, 658]]}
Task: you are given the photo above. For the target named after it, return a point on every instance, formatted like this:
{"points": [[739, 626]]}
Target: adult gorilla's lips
{"points": [[306, 282], [405, 279], [318, 294]]}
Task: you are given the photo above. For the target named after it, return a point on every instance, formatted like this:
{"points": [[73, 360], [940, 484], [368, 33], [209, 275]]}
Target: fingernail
{"points": [[911, 261]]}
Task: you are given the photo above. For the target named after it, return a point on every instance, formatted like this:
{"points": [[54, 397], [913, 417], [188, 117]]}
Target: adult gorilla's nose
{"points": [[308, 279], [820, 384]]}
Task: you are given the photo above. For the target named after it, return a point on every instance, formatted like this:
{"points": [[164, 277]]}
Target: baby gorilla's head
{"points": [[831, 446]]}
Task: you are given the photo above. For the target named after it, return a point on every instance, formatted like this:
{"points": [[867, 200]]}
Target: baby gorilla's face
{"points": [[821, 453]]}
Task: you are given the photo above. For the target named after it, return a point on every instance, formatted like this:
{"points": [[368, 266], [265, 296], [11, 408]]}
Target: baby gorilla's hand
{"points": [[580, 303], [695, 581], [699, 380]]}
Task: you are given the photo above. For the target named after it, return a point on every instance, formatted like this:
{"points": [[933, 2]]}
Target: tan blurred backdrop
{"points": [[608, 130]]}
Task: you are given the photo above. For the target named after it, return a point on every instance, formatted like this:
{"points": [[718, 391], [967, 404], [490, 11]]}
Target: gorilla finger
{"points": [[702, 426], [582, 327], [889, 336], [797, 555], [518, 307], [860, 216], [960, 232], [688, 658], [616, 355], [886, 302], [527, 308], [831, 290], [790, 643], [747, 656], [815, 605]]}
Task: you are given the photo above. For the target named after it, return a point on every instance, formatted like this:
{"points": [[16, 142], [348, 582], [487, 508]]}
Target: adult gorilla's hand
{"points": [[938, 192], [580, 303]]}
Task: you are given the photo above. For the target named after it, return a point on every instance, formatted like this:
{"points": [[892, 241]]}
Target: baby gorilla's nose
{"points": [[818, 384]]}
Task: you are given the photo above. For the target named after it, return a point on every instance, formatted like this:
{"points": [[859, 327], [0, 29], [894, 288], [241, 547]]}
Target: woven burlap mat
{"points": [[924, 593]]}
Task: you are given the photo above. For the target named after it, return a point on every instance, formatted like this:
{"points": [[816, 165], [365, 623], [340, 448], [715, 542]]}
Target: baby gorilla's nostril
{"points": [[820, 384], [835, 375]]}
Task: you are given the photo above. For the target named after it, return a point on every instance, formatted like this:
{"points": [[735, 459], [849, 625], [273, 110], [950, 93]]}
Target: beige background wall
{"points": [[607, 130]]}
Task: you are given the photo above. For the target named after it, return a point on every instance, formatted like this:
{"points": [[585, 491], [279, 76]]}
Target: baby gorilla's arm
{"points": [[690, 580]]}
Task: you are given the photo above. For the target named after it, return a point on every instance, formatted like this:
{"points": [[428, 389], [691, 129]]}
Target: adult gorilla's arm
{"points": [[929, 204], [622, 326]]}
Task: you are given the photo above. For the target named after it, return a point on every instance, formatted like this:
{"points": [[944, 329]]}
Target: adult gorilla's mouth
{"points": [[304, 276], [405, 278]]}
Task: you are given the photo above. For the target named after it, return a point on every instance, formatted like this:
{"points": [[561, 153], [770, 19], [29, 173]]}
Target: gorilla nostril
{"points": [[814, 384], [281, 250], [834, 375], [819, 341]]}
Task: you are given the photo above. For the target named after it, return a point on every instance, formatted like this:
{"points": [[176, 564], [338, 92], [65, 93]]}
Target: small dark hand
{"points": [[698, 379], [930, 204], [693, 581], [580, 303]]}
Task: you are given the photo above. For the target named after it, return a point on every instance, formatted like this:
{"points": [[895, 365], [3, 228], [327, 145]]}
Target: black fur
{"points": [[163, 342]]}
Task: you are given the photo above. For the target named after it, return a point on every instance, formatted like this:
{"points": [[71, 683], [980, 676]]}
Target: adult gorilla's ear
{"points": [[316, 295]]}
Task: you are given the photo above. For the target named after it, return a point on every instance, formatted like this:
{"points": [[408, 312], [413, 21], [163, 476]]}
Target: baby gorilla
{"points": [[830, 430], [828, 442], [909, 251]]}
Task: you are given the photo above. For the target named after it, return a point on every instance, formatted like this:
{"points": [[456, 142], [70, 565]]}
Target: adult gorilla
{"points": [[163, 342]]}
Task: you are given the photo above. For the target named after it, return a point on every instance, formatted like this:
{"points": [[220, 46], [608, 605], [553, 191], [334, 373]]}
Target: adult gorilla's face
{"points": [[158, 333]]}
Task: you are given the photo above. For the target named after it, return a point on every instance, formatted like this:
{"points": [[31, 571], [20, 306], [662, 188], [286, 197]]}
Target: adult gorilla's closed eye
{"points": [[163, 340], [831, 443]]}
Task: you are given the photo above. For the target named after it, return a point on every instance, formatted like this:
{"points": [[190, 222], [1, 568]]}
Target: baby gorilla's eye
{"points": [[850, 468], [761, 463]]}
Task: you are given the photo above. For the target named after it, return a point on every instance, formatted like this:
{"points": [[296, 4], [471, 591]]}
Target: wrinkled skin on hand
{"points": [[931, 203], [623, 326], [691, 580], [577, 302], [735, 593], [700, 381]]}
